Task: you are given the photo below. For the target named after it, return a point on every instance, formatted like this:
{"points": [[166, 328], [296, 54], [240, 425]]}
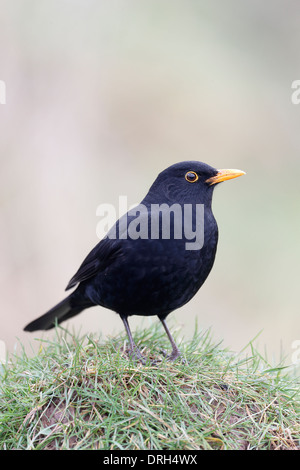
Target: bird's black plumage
{"points": [[149, 272]]}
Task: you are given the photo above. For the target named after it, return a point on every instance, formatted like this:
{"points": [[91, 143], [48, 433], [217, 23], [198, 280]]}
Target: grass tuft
{"points": [[81, 393]]}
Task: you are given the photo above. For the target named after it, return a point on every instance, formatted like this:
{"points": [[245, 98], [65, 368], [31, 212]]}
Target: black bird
{"points": [[155, 258]]}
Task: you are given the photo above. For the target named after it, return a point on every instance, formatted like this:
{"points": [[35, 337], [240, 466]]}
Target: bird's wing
{"points": [[104, 253], [109, 248]]}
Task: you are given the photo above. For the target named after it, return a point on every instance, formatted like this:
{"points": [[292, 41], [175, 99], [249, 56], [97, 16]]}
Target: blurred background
{"points": [[103, 95]]}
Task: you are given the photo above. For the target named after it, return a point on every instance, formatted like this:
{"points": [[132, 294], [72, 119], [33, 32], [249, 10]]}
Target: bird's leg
{"points": [[134, 350], [175, 351]]}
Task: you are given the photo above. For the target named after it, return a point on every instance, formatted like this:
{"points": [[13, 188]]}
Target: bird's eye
{"points": [[191, 176]]}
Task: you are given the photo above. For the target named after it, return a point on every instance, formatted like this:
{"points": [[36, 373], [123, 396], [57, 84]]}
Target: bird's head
{"points": [[188, 182]]}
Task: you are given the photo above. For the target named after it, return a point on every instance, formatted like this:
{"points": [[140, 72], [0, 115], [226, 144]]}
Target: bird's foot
{"points": [[175, 354], [143, 360], [136, 355]]}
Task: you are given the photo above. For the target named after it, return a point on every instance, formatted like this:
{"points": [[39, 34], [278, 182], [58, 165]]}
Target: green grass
{"points": [[79, 393]]}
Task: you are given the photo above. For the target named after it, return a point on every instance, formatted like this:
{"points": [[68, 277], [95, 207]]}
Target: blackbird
{"points": [[155, 258]]}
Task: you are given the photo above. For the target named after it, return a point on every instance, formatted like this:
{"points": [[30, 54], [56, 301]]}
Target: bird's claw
{"points": [[175, 354], [136, 355]]}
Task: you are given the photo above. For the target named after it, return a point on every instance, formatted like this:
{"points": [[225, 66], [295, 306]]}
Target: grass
{"points": [[79, 393]]}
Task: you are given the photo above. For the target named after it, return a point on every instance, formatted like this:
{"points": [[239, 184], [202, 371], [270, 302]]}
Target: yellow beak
{"points": [[224, 175]]}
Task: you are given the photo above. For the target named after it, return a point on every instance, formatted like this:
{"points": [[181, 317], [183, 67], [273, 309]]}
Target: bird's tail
{"points": [[66, 309]]}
